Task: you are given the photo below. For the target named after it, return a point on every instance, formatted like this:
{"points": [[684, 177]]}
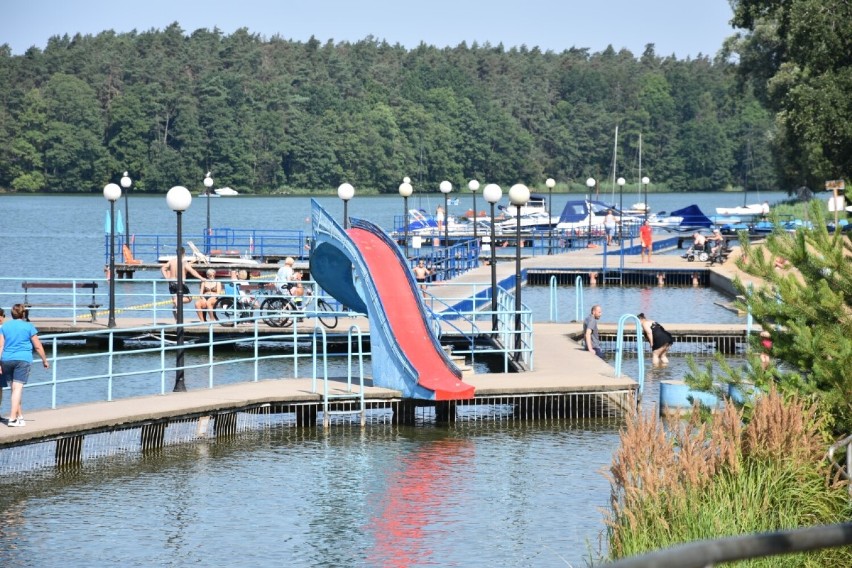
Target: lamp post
{"points": [[519, 194], [645, 182], [550, 183], [112, 192], [590, 183], [405, 190], [179, 198], [345, 192], [620, 181], [125, 183], [473, 186], [208, 183], [446, 187], [492, 194]]}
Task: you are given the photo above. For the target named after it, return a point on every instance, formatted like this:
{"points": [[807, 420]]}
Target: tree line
{"points": [[273, 115]]}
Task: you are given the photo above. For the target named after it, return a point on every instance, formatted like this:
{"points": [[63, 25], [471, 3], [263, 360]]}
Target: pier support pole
{"points": [[69, 451], [404, 413], [153, 436], [445, 412]]}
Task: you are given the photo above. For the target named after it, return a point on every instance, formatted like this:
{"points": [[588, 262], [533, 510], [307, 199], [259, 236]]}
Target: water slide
{"points": [[362, 268]]}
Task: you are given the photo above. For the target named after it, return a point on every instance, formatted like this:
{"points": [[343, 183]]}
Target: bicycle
{"points": [[282, 311], [237, 305]]}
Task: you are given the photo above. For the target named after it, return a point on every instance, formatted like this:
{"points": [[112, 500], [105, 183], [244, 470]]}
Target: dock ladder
{"points": [[340, 400]]}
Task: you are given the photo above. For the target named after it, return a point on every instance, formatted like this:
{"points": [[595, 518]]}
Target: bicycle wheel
{"points": [[273, 311], [326, 314], [224, 311]]}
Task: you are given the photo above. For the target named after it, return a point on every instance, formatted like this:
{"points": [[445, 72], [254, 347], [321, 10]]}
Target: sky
{"points": [[683, 28]]}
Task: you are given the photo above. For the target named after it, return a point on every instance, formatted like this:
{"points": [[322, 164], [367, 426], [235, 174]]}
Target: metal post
{"points": [[405, 224], [126, 218], [475, 239], [446, 224], [180, 385], [493, 275], [518, 285], [549, 219], [345, 214], [111, 322]]}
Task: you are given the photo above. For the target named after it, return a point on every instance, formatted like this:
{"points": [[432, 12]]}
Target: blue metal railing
{"points": [[640, 350], [554, 303], [579, 308], [253, 243]]}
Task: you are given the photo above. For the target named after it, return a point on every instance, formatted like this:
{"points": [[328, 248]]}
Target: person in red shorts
{"points": [[646, 240]]}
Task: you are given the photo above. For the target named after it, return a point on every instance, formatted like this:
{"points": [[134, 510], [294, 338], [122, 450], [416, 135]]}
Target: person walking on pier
{"points": [[18, 339], [421, 274], [646, 240], [660, 340], [609, 226], [170, 273], [591, 337]]}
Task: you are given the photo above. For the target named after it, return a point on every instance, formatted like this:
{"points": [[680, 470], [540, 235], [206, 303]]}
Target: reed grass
{"points": [[691, 480]]}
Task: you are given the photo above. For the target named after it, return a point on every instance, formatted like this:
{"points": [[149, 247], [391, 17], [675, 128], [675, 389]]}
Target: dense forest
{"points": [[274, 115]]}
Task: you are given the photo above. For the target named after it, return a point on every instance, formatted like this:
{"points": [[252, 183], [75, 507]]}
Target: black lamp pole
{"points": [[112, 193], [405, 223], [493, 275], [111, 322], [518, 283], [180, 385]]}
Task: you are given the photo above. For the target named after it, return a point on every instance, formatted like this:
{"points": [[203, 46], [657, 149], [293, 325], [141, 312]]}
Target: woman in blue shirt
{"points": [[18, 338]]}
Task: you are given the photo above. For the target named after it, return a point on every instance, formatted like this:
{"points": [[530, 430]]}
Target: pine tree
{"points": [[804, 304]]}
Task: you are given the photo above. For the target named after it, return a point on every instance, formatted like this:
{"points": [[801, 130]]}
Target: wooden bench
{"points": [[92, 306]]}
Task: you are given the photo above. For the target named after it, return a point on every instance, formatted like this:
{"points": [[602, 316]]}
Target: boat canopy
{"points": [[692, 216], [578, 210]]}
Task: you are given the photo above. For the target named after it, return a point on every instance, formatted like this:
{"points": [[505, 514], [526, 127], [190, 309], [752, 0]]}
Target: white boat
{"points": [[753, 209], [225, 192], [536, 204], [203, 259]]}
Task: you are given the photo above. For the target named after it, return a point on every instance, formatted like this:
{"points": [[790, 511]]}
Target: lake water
{"points": [[508, 493]]}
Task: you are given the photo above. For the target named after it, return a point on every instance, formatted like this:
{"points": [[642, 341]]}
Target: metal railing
{"points": [[640, 351], [248, 243]]}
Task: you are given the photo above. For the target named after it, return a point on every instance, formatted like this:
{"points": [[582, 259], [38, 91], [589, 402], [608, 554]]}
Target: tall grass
{"points": [[691, 480]]}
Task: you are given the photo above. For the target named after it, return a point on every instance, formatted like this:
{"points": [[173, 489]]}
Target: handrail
{"points": [[554, 303], [579, 309], [640, 350]]}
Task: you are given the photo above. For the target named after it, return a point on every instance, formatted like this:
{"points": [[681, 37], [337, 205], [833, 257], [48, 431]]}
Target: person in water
{"points": [[660, 340]]}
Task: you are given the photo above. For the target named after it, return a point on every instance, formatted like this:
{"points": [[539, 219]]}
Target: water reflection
{"points": [[421, 502]]}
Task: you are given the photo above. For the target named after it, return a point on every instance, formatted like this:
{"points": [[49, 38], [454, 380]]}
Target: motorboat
{"points": [[226, 192], [422, 224], [582, 214], [690, 218], [535, 204], [200, 258], [753, 209]]}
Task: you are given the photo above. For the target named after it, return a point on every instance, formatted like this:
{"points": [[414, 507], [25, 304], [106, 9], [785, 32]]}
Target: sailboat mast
{"points": [[640, 168], [614, 163]]}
